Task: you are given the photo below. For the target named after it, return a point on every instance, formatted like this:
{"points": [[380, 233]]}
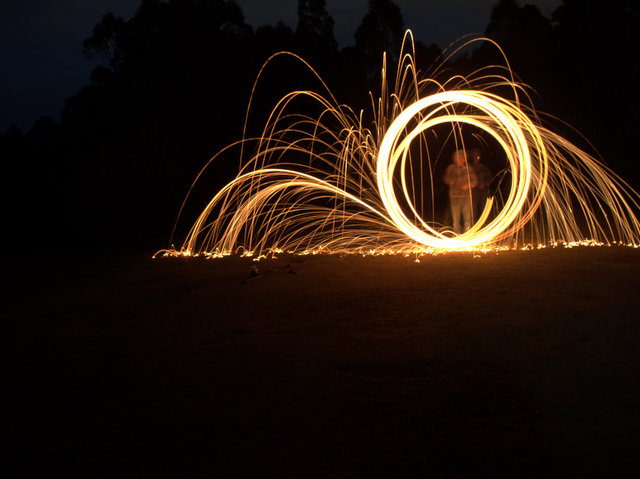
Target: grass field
{"points": [[518, 364]]}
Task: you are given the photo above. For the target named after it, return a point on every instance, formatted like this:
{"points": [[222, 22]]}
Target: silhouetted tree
{"points": [[171, 93], [271, 39], [578, 62], [14, 153], [14, 139], [43, 136], [105, 40], [427, 56], [315, 28], [597, 40], [527, 38], [381, 30], [601, 69]]}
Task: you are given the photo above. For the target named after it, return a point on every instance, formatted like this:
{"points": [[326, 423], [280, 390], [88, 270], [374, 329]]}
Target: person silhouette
{"points": [[461, 179], [480, 192]]}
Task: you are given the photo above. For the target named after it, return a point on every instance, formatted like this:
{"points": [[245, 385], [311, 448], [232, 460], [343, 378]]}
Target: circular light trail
{"points": [[512, 130]]}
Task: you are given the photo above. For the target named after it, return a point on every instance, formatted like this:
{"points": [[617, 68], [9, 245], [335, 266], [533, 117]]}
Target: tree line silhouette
{"points": [[175, 81]]}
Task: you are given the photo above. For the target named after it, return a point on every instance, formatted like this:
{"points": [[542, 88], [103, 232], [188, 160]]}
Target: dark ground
{"points": [[522, 364]]}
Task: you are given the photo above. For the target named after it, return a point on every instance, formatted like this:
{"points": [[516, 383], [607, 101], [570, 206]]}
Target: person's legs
{"points": [[466, 210], [456, 214], [448, 219]]}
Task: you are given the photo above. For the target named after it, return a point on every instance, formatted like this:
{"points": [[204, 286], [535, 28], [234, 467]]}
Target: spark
{"points": [[327, 184]]}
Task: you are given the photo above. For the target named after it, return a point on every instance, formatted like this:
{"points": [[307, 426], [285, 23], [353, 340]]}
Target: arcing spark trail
{"points": [[325, 183]]}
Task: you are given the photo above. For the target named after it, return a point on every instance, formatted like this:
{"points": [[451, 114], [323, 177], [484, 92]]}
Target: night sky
{"points": [[41, 41]]}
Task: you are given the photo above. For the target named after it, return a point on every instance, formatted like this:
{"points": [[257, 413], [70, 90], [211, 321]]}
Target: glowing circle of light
{"points": [[509, 133]]}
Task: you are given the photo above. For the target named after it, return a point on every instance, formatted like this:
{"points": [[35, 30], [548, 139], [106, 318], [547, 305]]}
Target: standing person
{"points": [[480, 192], [461, 179]]}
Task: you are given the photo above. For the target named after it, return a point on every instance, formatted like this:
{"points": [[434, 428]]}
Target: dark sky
{"points": [[41, 40]]}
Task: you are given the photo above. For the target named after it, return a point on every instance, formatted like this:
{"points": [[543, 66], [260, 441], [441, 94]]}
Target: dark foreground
{"points": [[523, 364]]}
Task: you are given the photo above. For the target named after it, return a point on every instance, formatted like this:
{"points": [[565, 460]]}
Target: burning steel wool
{"points": [[326, 183]]}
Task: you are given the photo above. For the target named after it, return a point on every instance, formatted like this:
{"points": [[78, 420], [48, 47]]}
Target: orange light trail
{"points": [[326, 183]]}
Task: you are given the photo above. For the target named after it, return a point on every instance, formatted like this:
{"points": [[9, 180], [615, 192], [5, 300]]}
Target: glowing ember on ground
{"points": [[326, 184]]}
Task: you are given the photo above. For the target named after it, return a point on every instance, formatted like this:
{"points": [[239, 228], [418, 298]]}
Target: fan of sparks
{"points": [[324, 182]]}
